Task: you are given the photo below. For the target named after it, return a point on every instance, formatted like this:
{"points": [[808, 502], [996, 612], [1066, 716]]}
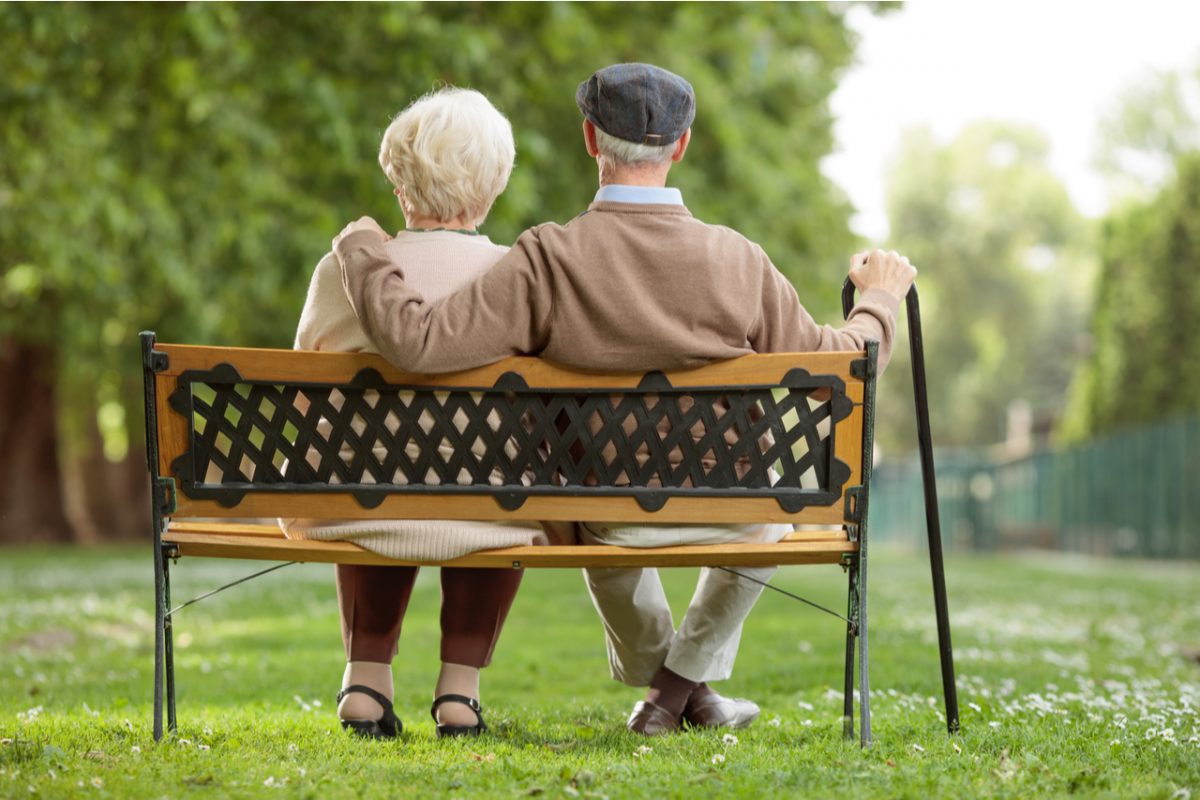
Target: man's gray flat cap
{"points": [[639, 103]]}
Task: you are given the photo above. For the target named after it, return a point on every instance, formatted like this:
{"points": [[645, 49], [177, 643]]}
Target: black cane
{"points": [[916, 348]]}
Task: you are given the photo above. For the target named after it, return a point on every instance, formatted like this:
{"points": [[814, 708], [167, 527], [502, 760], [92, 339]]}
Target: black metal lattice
{"points": [[511, 441]]}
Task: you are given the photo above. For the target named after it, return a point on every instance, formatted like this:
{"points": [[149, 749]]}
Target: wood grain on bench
{"points": [[266, 542]]}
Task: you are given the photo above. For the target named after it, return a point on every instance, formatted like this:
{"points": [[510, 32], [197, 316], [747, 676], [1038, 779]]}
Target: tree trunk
{"points": [[31, 485], [117, 494]]}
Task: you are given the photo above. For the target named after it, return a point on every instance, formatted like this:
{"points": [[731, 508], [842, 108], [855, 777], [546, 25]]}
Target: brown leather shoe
{"points": [[649, 719], [715, 711]]}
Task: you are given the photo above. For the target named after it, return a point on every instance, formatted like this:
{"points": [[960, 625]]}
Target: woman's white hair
{"points": [[451, 153], [623, 152]]}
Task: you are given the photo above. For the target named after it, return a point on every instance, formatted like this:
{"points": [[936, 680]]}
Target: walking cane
{"points": [[933, 524]]}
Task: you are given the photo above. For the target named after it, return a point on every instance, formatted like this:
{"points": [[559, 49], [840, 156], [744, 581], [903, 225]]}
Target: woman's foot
{"points": [[372, 705], [457, 680], [387, 726], [474, 728]]}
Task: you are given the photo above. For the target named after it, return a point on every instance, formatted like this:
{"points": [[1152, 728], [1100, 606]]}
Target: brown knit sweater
{"points": [[622, 287]]}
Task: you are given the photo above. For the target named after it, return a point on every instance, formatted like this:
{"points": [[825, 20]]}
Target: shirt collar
{"points": [[656, 195]]}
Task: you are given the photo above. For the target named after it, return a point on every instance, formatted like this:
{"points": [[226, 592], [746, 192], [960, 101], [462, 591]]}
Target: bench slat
{"points": [[285, 366], [264, 542], [252, 529], [679, 510]]}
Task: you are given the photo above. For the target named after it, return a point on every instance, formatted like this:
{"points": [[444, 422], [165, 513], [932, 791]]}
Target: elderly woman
{"points": [[449, 155]]}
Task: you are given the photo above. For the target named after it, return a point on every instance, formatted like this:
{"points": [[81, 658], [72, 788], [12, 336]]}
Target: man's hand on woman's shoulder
{"points": [[359, 225], [879, 269]]}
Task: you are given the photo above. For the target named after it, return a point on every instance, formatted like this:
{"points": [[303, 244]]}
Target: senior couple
{"points": [[634, 283]]}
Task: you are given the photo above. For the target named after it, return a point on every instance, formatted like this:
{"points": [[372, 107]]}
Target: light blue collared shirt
{"points": [[657, 195]]}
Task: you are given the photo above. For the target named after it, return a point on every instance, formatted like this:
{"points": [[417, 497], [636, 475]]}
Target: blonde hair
{"points": [[624, 153], [451, 153]]}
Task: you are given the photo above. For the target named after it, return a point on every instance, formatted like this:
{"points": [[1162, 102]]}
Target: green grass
{"points": [[1075, 677]]}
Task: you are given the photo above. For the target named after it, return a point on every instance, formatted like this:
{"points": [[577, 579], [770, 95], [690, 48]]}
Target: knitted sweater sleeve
{"points": [[784, 326], [504, 312], [327, 321]]}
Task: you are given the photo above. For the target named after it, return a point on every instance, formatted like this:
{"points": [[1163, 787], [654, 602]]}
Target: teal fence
{"points": [[1136, 493]]}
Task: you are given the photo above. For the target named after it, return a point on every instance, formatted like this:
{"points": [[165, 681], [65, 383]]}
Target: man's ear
{"points": [[681, 146], [589, 138]]}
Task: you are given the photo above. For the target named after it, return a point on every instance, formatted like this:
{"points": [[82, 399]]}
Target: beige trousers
{"points": [[639, 630]]}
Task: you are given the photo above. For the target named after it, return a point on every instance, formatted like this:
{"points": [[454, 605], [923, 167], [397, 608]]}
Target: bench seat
{"points": [[267, 542]]}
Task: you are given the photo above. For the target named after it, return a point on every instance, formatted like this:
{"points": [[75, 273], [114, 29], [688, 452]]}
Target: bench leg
{"points": [[851, 633], [168, 644], [864, 684], [160, 617]]}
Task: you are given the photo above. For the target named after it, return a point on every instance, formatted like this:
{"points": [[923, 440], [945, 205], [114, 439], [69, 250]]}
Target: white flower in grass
{"points": [[974, 707], [202, 746], [806, 723], [718, 758], [1114, 743], [644, 750], [805, 706], [135, 749], [916, 748], [1151, 733], [293, 747], [98, 782], [30, 715], [729, 739], [1167, 734], [994, 724], [775, 722], [271, 782]]}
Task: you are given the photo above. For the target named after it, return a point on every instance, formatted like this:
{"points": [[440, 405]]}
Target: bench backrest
{"points": [[238, 432]]}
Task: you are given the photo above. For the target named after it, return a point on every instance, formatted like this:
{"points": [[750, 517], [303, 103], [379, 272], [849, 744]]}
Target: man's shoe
{"points": [[715, 711], [651, 720]]}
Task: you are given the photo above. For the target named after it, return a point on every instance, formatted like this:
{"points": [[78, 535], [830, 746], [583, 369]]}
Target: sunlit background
{"points": [[1039, 162]]}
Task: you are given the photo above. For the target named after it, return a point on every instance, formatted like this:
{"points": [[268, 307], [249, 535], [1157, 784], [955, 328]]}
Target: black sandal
{"points": [[459, 730], [386, 727]]}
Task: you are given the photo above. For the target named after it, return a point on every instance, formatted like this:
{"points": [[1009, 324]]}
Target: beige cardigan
{"points": [[437, 263], [622, 287]]}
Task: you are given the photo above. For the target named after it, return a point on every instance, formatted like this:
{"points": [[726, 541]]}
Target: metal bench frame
{"points": [[591, 488]]}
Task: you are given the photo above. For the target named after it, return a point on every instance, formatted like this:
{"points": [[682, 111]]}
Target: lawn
{"points": [[1076, 677]]}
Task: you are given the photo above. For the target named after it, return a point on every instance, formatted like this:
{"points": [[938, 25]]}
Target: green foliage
{"points": [[1153, 122], [1146, 327], [1004, 273], [183, 167], [1071, 682]]}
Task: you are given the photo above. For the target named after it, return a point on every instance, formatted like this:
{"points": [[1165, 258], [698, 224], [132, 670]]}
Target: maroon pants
{"points": [[475, 602]]}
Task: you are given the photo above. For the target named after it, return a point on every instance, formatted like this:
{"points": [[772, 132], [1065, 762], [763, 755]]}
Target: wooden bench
{"points": [[236, 433]]}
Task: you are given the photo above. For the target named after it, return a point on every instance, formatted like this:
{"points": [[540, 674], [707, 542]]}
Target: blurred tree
{"points": [[1153, 122], [1146, 325], [183, 167], [1004, 277]]}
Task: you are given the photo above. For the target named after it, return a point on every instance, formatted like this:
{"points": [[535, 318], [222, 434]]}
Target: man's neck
{"points": [[652, 175]]}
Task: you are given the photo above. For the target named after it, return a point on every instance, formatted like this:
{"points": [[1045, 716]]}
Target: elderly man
{"points": [[635, 283]]}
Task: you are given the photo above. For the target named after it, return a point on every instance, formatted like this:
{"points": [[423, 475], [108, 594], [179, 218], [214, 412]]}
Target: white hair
{"points": [[625, 153], [451, 152]]}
